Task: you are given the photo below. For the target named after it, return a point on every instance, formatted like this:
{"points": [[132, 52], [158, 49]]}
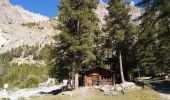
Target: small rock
{"points": [[166, 77], [111, 93], [118, 88], [49, 82], [105, 88], [67, 93], [128, 85]]}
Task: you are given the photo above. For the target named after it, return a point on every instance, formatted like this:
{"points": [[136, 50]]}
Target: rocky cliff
{"points": [[102, 11], [20, 27]]}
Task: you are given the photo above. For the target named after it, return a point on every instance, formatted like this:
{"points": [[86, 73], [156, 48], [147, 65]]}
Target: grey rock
{"points": [[12, 32]]}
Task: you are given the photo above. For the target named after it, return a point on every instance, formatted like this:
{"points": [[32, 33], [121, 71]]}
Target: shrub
{"points": [[24, 75], [31, 81], [30, 25], [16, 75], [1, 82], [22, 98], [42, 55]]}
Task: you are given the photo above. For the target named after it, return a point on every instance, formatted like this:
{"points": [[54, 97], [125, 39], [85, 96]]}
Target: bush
{"points": [[42, 55], [1, 82], [24, 75], [30, 25], [31, 81], [16, 75]]}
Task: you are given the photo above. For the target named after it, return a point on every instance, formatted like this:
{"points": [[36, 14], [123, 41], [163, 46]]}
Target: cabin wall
{"points": [[98, 77]]}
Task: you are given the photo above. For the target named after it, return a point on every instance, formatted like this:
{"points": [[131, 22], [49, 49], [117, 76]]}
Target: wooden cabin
{"points": [[99, 76]]}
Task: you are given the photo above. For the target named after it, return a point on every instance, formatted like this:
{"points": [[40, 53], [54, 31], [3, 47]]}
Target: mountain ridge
{"points": [[20, 27]]}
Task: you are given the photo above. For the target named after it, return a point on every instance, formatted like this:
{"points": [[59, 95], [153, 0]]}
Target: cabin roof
{"points": [[99, 68]]}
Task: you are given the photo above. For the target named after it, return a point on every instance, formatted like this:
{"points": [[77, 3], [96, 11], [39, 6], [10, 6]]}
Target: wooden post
{"points": [[85, 80], [76, 80]]}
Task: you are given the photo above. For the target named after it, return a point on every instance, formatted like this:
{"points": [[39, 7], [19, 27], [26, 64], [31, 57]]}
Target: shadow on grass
{"points": [[161, 86]]}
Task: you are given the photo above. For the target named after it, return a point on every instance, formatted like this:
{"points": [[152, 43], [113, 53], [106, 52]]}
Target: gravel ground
{"points": [[26, 93]]}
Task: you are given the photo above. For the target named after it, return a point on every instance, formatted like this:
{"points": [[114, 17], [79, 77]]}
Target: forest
{"points": [[130, 49]]}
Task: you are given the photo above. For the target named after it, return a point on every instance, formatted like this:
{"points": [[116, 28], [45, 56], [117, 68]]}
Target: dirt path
{"points": [[83, 93], [26, 93], [162, 87]]}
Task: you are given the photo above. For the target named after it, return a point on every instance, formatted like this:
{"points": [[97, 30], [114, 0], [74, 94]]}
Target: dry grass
{"points": [[93, 94]]}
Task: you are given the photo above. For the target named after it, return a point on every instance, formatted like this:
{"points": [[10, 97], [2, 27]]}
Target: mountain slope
{"points": [[20, 27], [18, 14], [102, 11]]}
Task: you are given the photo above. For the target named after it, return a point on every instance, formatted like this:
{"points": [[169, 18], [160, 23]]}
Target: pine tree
{"points": [[74, 44], [155, 33], [119, 30]]}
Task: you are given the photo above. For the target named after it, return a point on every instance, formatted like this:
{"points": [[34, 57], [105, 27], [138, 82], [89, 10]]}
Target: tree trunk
{"points": [[76, 80], [78, 26], [138, 71], [121, 68], [76, 77]]}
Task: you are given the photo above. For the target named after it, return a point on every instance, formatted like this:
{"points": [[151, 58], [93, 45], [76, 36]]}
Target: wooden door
{"points": [[96, 80], [89, 81]]}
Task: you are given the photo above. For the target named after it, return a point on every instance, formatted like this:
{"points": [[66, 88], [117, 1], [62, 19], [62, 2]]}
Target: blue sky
{"points": [[43, 7]]}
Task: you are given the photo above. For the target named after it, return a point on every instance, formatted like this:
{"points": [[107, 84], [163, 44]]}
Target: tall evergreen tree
{"points": [[155, 34], [74, 45], [119, 31]]}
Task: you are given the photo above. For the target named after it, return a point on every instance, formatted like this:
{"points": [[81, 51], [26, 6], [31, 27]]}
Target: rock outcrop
{"points": [[18, 14], [20, 27], [102, 11]]}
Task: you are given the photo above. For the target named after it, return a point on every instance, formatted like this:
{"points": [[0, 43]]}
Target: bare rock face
{"points": [[4, 2], [17, 13], [102, 11], [20, 27]]}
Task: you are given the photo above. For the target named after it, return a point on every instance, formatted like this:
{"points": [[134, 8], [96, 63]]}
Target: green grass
{"points": [[93, 94]]}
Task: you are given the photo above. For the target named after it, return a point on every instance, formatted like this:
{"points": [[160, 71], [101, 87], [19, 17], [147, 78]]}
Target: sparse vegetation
{"points": [[32, 25], [1, 81], [93, 94], [24, 75], [42, 54], [31, 81]]}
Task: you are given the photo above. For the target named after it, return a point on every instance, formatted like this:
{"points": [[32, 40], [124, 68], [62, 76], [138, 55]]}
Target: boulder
{"points": [[49, 82], [111, 93], [166, 77], [118, 88], [67, 93], [128, 85], [105, 88]]}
